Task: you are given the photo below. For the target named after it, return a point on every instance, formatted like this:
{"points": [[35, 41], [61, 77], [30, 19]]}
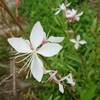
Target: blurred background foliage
{"points": [[83, 63]]}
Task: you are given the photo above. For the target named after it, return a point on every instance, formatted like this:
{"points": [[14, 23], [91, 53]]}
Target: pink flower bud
{"points": [[1, 5], [44, 41], [18, 19], [17, 2]]}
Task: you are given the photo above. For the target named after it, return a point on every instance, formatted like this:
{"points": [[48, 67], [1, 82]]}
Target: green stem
{"points": [[96, 35], [6, 21], [13, 17], [46, 62], [68, 93]]}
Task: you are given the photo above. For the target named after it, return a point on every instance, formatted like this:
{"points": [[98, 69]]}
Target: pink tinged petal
{"points": [[58, 12], [37, 68], [55, 39], [20, 45], [78, 37], [67, 12], [76, 45], [73, 40], [36, 36], [82, 42], [72, 13], [61, 89], [49, 49]]}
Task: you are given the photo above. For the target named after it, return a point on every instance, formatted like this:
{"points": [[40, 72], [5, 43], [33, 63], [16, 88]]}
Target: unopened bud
{"points": [[17, 2], [18, 19]]}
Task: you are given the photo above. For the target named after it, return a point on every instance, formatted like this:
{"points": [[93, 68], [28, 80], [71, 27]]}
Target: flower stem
{"points": [[46, 62], [96, 35], [13, 17]]}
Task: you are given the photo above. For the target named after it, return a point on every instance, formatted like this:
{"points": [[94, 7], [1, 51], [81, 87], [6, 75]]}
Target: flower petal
{"points": [[58, 12], [55, 39], [49, 49], [37, 68], [47, 71], [76, 45], [62, 6], [80, 14], [82, 42], [36, 36], [61, 89], [78, 37], [77, 18], [44, 35], [69, 79], [71, 13], [20, 45], [73, 40]]}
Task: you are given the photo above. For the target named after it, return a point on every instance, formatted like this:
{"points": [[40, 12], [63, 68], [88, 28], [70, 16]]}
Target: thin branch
{"points": [[14, 18], [7, 78], [5, 21]]}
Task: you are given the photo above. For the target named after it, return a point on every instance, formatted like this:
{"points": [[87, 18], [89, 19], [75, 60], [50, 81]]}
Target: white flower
{"points": [[72, 16], [51, 39], [62, 7], [69, 79], [59, 81], [53, 77], [32, 48], [77, 41]]}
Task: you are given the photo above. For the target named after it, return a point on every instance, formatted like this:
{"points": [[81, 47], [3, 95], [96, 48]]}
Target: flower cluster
{"points": [[70, 14]]}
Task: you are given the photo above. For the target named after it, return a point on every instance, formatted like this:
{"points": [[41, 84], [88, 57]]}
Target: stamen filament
{"points": [[24, 58], [28, 62]]}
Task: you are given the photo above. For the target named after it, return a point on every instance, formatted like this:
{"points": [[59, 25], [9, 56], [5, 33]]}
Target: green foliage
{"points": [[84, 63]]}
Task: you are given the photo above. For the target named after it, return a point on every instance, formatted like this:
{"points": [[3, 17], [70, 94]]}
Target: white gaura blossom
{"points": [[51, 39], [62, 7], [72, 16], [32, 48], [77, 41], [59, 81]]}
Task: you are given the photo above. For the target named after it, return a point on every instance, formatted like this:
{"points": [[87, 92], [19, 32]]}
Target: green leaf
{"points": [[89, 94], [72, 57], [57, 98], [4, 66], [51, 97], [71, 68]]}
